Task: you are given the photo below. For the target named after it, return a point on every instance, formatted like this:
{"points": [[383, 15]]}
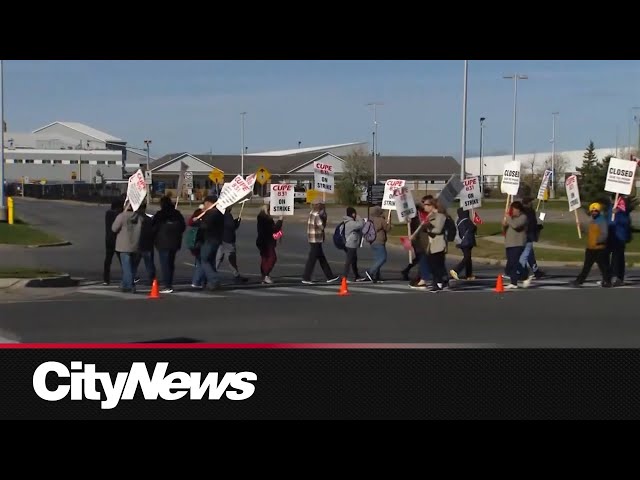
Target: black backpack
{"points": [[339, 238], [450, 229]]}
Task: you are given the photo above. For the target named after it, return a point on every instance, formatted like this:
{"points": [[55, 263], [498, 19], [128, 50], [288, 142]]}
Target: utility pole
{"points": [[553, 156], [482, 119], [463, 162], [242, 115], [3, 205], [375, 136], [147, 143]]}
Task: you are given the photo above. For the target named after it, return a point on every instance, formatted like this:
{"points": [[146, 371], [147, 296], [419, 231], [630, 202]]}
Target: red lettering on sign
{"points": [[395, 183], [324, 167], [282, 187]]}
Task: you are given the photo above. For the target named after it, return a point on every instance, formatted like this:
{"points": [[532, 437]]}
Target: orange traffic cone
{"points": [[499, 286], [344, 290], [155, 291]]}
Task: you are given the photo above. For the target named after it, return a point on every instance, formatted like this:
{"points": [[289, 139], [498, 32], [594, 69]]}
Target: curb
{"points": [[46, 245], [62, 281]]}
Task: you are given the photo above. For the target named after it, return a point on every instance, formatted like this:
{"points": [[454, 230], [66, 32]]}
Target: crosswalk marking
{"points": [[260, 293], [311, 291], [378, 291]]}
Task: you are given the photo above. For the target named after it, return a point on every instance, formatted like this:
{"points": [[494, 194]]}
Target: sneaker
{"points": [[606, 285], [332, 280], [136, 280], [437, 287], [106, 284], [199, 287], [418, 286], [361, 279], [575, 283], [472, 277], [617, 283], [527, 283], [267, 280], [405, 275], [454, 274], [166, 290], [369, 277], [539, 274], [307, 282], [511, 286]]}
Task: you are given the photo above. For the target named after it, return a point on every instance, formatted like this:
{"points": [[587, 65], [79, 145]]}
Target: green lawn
{"points": [[17, 272], [22, 234]]}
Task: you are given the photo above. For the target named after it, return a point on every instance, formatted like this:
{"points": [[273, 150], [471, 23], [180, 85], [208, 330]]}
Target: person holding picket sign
{"points": [[269, 232], [465, 241], [619, 236], [349, 238]]}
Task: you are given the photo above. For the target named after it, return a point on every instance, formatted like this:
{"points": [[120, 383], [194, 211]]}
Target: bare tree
{"points": [[356, 174], [561, 165], [531, 174]]}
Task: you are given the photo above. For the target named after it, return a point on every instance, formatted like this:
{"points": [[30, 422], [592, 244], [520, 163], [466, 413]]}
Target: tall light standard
{"points": [[375, 136], [242, 115], [3, 206], [636, 119], [463, 162], [147, 143], [515, 77], [482, 119], [629, 127], [553, 155]]}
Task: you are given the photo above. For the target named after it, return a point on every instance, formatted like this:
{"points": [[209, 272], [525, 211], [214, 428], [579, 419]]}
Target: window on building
{"points": [[111, 162], [18, 161], [73, 162], [57, 162], [84, 162], [28, 161], [101, 162], [46, 161]]}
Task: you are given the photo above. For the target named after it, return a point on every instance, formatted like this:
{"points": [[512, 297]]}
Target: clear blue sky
{"points": [[195, 105]]}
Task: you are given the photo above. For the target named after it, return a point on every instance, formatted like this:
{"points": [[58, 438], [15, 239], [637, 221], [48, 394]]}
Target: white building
{"points": [[494, 165]]}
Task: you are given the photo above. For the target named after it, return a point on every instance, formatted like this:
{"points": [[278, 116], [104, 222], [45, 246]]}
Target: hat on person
{"points": [[595, 206]]}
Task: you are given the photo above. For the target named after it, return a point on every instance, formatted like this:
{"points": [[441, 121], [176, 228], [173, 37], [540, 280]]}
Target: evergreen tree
{"points": [[593, 175]]}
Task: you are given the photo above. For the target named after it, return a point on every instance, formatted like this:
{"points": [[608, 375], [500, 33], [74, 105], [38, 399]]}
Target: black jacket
{"points": [[533, 229], [266, 228], [212, 224], [230, 227], [168, 225], [146, 235], [466, 230], [110, 237]]}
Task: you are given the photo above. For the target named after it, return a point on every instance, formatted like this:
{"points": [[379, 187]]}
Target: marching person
{"points": [[528, 256], [316, 224], [212, 223], [199, 279], [228, 245], [437, 247], [353, 236], [467, 233], [414, 225], [596, 252], [268, 232], [515, 222], [379, 245], [145, 249], [168, 226], [128, 227], [110, 240], [619, 236]]}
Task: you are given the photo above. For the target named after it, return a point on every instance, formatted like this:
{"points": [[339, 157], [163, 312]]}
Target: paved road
{"points": [[549, 314]]}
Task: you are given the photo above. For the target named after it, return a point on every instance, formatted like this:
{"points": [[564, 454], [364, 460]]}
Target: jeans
{"points": [[465, 263], [351, 262], [617, 266], [167, 266], [127, 270], [513, 263], [316, 254], [436, 265], [528, 256], [199, 279], [268, 259], [599, 257], [208, 254], [423, 265], [379, 259], [149, 264], [108, 259]]}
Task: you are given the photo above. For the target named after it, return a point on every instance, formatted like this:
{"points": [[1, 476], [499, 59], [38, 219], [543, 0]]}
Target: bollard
{"points": [[10, 210]]}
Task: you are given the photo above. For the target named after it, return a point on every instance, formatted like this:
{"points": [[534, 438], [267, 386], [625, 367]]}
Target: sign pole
{"points": [[615, 204], [409, 235], [578, 224]]}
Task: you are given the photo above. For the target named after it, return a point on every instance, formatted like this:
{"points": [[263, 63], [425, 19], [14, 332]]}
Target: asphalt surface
{"points": [[470, 314]]}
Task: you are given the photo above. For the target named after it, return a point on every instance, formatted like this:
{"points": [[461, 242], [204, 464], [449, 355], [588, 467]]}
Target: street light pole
{"points": [[553, 156], [242, 141], [482, 119], [147, 143], [463, 162], [515, 77], [375, 133], [3, 206], [631, 110]]}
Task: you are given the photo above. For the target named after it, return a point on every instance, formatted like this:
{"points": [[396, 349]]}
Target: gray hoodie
{"points": [[353, 231], [128, 227], [516, 235]]}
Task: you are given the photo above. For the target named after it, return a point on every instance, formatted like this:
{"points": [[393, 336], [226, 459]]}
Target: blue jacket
{"points": [[466, 230], [620, 228]]}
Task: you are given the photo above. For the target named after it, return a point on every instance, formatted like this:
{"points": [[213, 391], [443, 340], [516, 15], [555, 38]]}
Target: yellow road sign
{"points": [[262, 176], [313, 195], [216, 176]]}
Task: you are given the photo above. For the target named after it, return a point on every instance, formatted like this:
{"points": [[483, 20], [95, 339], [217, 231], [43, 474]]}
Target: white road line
{"points": [[309, 291], [191, 294], [374, 291], [268, 292]]}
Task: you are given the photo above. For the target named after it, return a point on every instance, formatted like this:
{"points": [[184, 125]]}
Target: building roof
{"points": [[389, 166], [85, 130], [297, 151], [23, 139]]}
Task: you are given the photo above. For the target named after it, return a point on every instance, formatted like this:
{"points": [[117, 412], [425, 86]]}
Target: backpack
{"points": [[450, 229], [339, 239], [459, 239], [191, 238], [369, 231]]}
